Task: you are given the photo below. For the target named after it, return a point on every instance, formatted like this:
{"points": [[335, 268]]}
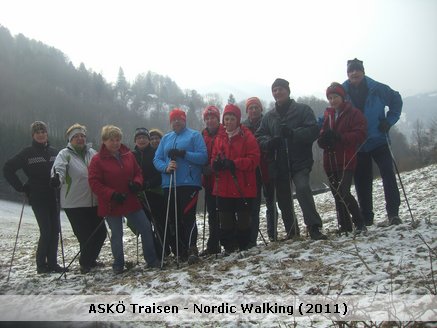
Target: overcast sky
{"points": [[244, 45]]}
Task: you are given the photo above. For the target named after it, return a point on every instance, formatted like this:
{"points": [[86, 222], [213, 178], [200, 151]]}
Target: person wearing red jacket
{"points": [[115, 177], [235, 157], [211, 117], [343, 131]]}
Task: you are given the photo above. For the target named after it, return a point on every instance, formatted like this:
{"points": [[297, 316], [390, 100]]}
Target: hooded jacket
{"points": [[107, 174], [244, 151], [210, 140], [351, 125], [379, 96], [73, 175]]}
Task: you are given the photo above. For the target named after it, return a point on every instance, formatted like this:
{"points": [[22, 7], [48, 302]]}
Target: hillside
{"points": [[391, 264]]}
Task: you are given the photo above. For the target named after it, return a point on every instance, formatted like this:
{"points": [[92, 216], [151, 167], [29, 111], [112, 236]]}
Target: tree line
{"points": [[39, 82]]}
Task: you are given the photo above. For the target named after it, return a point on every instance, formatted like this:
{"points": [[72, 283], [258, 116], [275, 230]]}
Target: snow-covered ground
{"points": [[395, 263]]}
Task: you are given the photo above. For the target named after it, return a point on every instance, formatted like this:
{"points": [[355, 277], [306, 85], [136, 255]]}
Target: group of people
{"points": [[156, 186]]}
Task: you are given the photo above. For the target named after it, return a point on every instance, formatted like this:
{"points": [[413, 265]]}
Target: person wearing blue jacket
{"points": [[372, 97], [181, 155]]}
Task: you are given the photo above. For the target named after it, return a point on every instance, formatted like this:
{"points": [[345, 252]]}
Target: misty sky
{"points": [[244, 45]]}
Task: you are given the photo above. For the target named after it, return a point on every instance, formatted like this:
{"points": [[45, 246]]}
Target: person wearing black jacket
{"points": [[290, 130], [36, 161]]}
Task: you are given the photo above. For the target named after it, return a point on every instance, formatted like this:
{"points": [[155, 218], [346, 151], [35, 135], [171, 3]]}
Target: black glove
{"points": [[274, 143], [229, 164], [218, 165], [173, 153], [54, 181], [134, 187], [118, 197], [286, 132], [26, 190], [330, 138], [384, 126]]}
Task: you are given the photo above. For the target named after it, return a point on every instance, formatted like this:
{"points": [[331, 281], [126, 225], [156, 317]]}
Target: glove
{"points": [[134, 187], [286, 132], [26, 190], [173, 153], [229, 164], [118, 197], [54, 181], [384, 126], [330, 137], [218, 165], [274, 143]]}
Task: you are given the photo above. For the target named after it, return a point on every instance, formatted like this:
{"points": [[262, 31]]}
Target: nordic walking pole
{"points": [[176, 219], [16, 238], [166, 221], [58, 211], [84, 246], [400, 180], [275, 213], [291, 190], [152, 218], [204, 219]]}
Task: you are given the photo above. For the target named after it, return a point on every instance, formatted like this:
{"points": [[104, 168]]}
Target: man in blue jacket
{"points": [[372, 97], [181, 154]]}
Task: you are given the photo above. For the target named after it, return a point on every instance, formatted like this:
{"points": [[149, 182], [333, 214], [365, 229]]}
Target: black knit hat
{"points": [[355, 64], [281, 83], [141, 132]]}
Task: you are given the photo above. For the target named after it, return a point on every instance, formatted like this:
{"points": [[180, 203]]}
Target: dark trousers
{"points": [[347, 208], [157, 218], [268, 192], [235, 223], [364, 182], [254, 215], [47, 216], [89, 230], [213, 244], [186, 219]]}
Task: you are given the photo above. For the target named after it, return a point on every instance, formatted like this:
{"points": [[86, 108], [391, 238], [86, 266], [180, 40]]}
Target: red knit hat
{"points": [[232, 109], [336, 88], [253, 101], [211, 110], [179, 114]]}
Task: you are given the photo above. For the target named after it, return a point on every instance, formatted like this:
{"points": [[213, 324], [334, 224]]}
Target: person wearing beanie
{"points": [[152, 195], [181, 155], [36, 161], [235, 157], [155, 137], [70, 174], [115, 177], [372, 97], [254, 111], [288, 132], [211, 117], [343, 131]]}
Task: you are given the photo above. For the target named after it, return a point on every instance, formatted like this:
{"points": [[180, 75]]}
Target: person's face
{"points": [[254, 112], [355, 76], [113, 144], [230, 122], [78, 140], [40, 136], [211, 122], [142, 141], [280, 94], [335, 100], [154, 141], [177, 125]]}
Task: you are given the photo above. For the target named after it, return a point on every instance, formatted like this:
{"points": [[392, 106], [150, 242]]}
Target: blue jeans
{"points": [[364, 182], [141, 224]]}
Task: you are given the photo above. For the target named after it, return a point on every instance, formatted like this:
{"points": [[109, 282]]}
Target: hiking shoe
{"points": [[97, 264], [154, 265], [84, 269], [394, 220], [193, 259], [57, 269], [315, 233], [42, 269], [361, 230], [118, 270]]}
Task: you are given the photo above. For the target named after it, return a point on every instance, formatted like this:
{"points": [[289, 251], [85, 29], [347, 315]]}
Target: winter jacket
{"points": [[208, 179], [73, 175], [189, 168], [243, 149], [379, 96], [107, 174], [36, 162], [301, 120], [151, 176], [263, 168], [351, 125]]}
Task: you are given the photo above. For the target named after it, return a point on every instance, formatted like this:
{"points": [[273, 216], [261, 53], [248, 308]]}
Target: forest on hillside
{"points": [[39, 82]]}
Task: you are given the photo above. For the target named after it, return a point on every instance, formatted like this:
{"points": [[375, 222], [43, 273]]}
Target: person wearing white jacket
{"points": [[70, 173]]}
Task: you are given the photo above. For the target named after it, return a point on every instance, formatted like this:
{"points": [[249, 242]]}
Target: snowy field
{"points": [[395, 263]]}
